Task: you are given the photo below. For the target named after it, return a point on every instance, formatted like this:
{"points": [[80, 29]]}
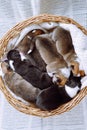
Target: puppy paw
{"points": [[76, 69], [59, 80], [82, 73]]}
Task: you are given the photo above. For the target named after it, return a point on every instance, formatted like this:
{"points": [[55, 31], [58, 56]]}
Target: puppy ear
{"points": [[13, 55]]}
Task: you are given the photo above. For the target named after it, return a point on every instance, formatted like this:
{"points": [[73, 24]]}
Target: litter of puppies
{"points": [[44, 68]]}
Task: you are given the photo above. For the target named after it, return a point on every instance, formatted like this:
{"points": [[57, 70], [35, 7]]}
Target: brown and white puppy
{"points": [[18, 85], [56, 65], [27, 47], [65, 47]]}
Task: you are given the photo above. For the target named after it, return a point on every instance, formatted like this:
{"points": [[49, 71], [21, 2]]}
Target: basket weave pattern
{"points": [[19, 105]]}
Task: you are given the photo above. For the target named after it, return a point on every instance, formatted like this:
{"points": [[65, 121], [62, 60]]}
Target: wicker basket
{"points": [[19, 105]]}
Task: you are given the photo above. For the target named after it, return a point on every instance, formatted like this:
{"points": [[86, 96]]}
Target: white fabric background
{"points": [[14, 11]]}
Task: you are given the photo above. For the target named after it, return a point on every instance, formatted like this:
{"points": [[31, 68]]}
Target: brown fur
{"points": [[36, 57], [65, 47], [26, 44], [18, 85], [52, 58]]}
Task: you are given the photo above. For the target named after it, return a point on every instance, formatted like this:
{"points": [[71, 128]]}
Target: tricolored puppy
{"points": [[28, 71], [18, 85], [55, 96], [65, 47]]}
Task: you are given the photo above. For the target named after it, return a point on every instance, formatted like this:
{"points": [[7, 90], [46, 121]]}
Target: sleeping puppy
{"points": [[35, 57], [18, 85], [26, 43], [56, 66], [65, 47], [54, 96], [28, 71], [26, 46]]}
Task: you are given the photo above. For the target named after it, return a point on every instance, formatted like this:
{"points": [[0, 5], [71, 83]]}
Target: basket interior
{"points": [[79, 37]]}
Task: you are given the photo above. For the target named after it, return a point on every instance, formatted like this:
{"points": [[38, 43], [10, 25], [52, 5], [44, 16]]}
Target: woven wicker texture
{"points": [[19, 105]]}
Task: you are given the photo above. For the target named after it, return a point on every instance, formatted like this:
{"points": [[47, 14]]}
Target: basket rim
{"points": [[13, 32]]}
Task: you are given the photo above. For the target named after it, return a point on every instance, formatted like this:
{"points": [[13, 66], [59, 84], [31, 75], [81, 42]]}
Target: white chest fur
{"points": [[71, 91]]}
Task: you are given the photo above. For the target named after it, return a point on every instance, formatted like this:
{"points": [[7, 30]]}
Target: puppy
{"points": [[56, 65], [65, 47], [28, 71], [35, 57], [27, 47], [54, 96], [18, 85], [26, 43]]}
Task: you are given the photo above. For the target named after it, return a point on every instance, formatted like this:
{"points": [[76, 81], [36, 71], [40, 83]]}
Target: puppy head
{"points": [[61, 80], [60, 75], [13, 55], [24, 44], [74, 81]]}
